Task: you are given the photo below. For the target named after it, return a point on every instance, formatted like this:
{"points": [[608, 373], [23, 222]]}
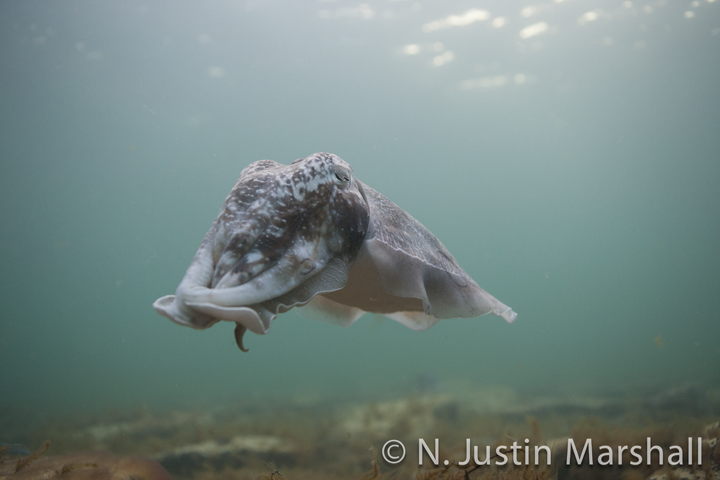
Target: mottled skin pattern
{"points": [[403, 233], [311, 234], [273, 206]]}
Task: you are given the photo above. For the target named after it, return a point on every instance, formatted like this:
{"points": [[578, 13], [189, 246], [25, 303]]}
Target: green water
{"points": [[573, 174]]}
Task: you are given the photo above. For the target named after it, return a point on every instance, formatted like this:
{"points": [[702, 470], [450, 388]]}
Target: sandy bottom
{"points": [[314, 439]]}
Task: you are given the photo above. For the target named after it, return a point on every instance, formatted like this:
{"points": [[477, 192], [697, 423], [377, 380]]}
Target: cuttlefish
{"points": [[310, 235]]}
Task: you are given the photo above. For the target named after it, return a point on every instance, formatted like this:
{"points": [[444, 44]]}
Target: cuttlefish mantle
{"points": [[310, 235]]}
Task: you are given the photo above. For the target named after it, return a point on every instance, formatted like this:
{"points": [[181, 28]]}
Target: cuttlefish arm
{"points": [[284, 234]]}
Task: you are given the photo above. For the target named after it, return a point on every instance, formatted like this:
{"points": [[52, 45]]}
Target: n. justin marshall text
{"points": [[582, 454]]}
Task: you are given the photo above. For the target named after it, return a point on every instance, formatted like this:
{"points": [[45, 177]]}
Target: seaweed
{"points": [[74, 466], [25, 461], [272, 475], [373, 474]]}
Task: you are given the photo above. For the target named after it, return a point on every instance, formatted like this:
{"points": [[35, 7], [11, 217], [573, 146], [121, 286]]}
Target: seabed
{"points": [[292, 439]]}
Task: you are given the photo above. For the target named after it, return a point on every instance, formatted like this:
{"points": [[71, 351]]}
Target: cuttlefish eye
{"points": [[343, 176]]}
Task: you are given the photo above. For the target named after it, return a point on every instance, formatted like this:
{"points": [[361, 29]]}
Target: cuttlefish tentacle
{"points": [[236, 249], [239, 333], [247, 223], [267, 250], [299, 263], [200, 272]]}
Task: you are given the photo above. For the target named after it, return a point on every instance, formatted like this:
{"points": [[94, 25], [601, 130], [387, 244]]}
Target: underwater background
{"points": [[567, 153]]}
